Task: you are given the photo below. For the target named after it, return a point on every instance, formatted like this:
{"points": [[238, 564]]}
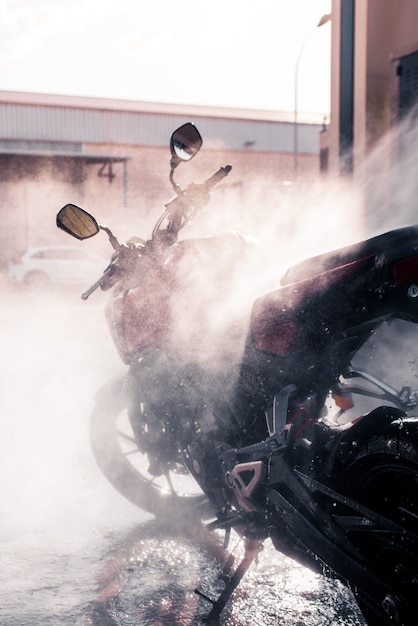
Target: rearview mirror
{"points": [[185, 143], [77, 222]]}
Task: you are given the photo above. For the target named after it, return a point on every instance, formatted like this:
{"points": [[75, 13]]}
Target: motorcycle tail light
{"points": [[405, 271], [274, 336]]}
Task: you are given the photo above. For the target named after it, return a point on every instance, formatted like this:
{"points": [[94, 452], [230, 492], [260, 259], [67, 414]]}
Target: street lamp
{"points": [[324, 19]]}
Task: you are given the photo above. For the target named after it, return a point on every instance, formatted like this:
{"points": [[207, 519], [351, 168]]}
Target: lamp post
{"points": [[324, 19]]}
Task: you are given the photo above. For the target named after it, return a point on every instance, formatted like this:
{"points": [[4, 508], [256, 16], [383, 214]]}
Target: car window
{"points": [[38, 255], [62, 254], [73, 255]]}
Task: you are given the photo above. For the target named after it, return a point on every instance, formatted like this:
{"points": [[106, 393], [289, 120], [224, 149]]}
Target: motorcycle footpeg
{"points": [[264, 448], [227, 522]]}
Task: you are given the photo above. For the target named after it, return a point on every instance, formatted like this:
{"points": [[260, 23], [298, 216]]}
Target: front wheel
{"points": [[127, 467]]}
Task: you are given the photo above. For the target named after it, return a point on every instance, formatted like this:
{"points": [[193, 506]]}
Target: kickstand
{"points": [[252, 549]]}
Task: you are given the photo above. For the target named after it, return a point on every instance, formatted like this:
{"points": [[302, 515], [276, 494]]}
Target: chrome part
{"points": [[276, 420], [404, 398], [413, 291]]}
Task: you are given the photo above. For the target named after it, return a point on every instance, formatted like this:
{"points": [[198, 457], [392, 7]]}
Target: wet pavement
{"points": [[74, 552]]}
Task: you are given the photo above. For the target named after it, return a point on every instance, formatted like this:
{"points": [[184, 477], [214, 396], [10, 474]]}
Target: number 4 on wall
{"points": [[106, 171]]}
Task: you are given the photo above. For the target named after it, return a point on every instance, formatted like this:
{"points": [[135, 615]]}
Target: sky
{"points": [[228, 53]]}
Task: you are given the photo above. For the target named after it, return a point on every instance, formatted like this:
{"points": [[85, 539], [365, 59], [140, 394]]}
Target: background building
{"points": [[112, 157], [372, 141], [374, 75]]}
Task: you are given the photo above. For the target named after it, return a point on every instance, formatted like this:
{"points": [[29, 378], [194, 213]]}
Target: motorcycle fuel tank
{"points": [[138, 318]]}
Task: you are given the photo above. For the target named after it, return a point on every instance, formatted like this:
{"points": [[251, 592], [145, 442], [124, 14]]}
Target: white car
{"points": [[39, 267]]}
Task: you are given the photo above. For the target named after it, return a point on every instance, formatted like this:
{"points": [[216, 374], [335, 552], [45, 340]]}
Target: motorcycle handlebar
{"points": [[103, 283], [183, 206], [86, 294], [193, 197], [217, 177]]}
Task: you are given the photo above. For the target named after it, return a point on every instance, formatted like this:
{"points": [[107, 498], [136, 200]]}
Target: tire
{"points": [[383, 476], [36, 280], [117, 454]]}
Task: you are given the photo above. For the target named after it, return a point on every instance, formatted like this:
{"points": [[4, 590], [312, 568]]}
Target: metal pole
{"points": [[324, 19], [125, 195]]}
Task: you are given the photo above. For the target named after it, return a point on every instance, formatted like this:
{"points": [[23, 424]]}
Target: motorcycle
{"points": [[272, 442]]}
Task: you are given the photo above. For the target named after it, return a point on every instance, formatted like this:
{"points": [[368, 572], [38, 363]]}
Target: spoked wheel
{"points": [[384, 478], [127, 468]]}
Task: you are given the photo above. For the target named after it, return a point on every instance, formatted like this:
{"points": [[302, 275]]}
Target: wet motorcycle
{"points": [[271, 438]]}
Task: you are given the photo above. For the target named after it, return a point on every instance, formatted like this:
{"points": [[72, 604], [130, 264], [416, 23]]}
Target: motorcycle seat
{"points": [[397, 243], [308, 288]]}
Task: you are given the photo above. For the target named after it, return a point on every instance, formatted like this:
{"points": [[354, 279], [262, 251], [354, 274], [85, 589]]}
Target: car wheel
{"points": [[36, 280]]}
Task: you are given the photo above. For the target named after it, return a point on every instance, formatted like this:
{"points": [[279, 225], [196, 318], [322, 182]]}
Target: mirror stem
{"points": [[175, 186], [113, 240]]}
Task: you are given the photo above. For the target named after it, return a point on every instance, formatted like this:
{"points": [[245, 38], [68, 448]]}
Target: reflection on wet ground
{"points": [[74, 552], [150, 581], [145, 574]]}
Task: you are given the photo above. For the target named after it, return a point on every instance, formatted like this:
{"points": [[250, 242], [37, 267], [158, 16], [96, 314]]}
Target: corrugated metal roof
{"points": [[78, 156], [166, 108], [54, 122]]}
